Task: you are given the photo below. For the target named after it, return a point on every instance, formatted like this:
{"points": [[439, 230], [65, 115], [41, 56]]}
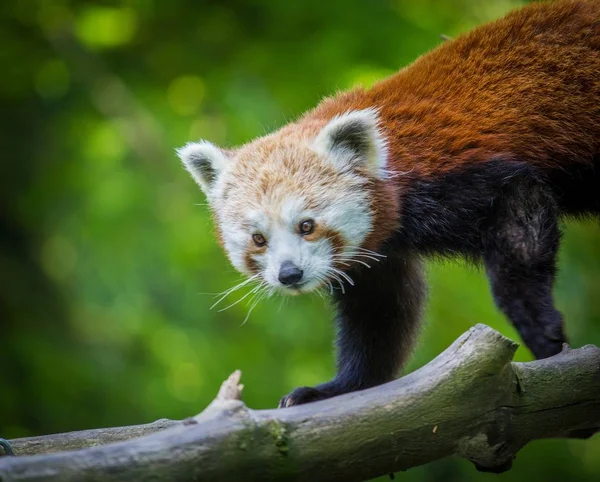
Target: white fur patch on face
{"points": [[350, 215], [354, 139], [235, 240], [293, 210]]}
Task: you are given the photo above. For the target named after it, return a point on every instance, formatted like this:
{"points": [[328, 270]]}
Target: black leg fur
{"points": [[520, 259], [503, 212], [377, 321]]}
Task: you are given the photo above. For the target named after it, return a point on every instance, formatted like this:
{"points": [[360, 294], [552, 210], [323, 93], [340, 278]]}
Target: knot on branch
{"points": [[492, 449]]}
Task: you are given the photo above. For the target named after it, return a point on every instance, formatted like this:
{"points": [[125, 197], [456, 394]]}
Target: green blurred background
{"points": [[107, 258]]}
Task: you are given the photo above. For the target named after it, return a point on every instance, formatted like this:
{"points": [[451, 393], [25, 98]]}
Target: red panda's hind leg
{"points": [[377, 322], [520, 260]]}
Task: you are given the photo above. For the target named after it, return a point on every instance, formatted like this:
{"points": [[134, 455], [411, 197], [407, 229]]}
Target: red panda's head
{"points": [[295, 208]]}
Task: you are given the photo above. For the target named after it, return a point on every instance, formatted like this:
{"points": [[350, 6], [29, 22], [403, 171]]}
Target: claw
{"points": [[303, 395]]}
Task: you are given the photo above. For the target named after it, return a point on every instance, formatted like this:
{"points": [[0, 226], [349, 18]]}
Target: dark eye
{"points": [[259, 239], [307, 226]]}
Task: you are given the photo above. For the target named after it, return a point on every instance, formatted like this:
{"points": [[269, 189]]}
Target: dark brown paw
{"points": [[302, 395]]}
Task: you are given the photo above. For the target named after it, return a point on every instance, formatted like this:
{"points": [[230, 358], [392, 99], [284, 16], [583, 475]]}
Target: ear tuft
{"points": [[204, 161], [353, 139]]}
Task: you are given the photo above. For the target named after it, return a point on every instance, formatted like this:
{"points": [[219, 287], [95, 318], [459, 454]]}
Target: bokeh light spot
{"points": [[52, 79], [365, 76], [185, 94], [59, 257], [212, 128], [105, 145], [105, 27], [185, 382]]}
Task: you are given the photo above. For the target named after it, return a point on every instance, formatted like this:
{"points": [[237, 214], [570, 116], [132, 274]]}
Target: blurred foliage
{"points": [[106, 249]]}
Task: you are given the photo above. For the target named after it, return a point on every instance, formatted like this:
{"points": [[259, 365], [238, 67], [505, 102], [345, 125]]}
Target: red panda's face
{"points": [[292, 227], [293, 209]]}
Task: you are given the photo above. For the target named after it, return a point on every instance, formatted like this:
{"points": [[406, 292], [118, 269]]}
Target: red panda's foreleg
{"points": [[377, 321]]}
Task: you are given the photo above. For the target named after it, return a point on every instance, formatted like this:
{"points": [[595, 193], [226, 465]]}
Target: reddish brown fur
{"points": [[526, 86], [216, 230], [385, 204], [251, 263], [335, 239], [253, 250]]}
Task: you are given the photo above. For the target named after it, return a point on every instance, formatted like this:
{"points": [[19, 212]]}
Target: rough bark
{"points": [[62, 442], [472, 401]]}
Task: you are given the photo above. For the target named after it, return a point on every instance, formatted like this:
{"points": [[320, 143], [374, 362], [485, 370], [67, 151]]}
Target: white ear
{"points": [[353, 139], [204, 161]]}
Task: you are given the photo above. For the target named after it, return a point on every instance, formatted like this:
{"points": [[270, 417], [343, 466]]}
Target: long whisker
{"points": [[252, 291], [365, 250], [335, 277], [343, 275], [227, 292], [360, 255], [330, 287], [363, 255], [350, 260], [242, 283], [282, 303], [322, 279], [235, 287], [257, 291], [260, 297], [324, 282], [341, 261]]}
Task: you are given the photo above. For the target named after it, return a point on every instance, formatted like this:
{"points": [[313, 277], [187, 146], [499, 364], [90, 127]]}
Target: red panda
{"points": [[475, 150]]}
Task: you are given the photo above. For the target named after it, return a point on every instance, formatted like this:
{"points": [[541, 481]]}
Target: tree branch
{"points": [[471, 401]]}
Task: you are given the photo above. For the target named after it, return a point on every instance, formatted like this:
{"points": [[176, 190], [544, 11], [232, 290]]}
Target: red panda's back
{"points": [[526, 86]]}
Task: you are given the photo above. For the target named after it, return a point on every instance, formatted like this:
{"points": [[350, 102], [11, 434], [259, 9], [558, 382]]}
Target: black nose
{"points": [[289, 273]]}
